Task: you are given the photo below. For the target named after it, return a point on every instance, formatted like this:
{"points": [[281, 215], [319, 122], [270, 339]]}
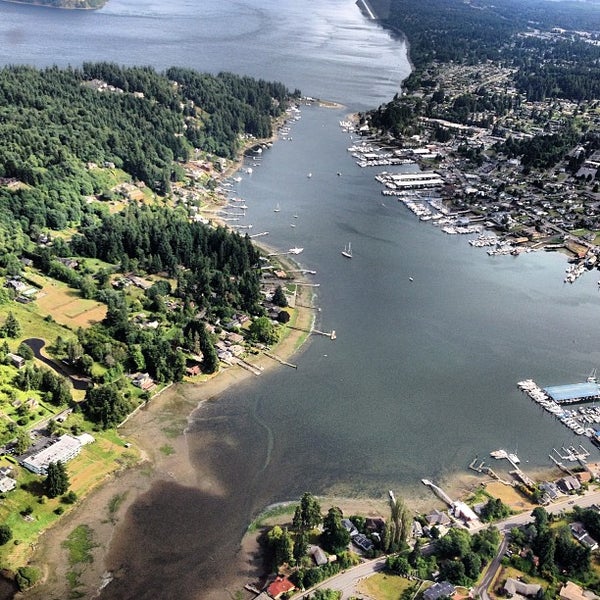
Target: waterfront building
{"points": [[63, 449]]}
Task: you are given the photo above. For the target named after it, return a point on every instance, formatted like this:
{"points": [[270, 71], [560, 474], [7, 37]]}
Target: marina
{"points": [[582, 420]]}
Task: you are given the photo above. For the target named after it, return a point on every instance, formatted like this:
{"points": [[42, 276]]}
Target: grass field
{"points": [[96, 461], [387, 587], [65, 305]]}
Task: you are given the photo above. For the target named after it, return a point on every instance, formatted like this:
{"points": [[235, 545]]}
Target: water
{"points": [[422, 377], [326, 49]]}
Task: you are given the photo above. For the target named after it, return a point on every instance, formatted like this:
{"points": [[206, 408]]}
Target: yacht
{"points": [[277, 209], [347, 251], [295, 250]]}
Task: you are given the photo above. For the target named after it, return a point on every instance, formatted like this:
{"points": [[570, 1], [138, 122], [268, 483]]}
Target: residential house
{"points": [[515, 587], [439, 590], [16, 360], [143, 381], [438, 517], [571, 591], [363, 542], [318, 555], [7, 484], [350, 527], [569, 484], [582, 536], [281, 585]]}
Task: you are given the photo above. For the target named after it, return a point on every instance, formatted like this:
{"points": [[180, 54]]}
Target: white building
{"points": [[64, 449]]}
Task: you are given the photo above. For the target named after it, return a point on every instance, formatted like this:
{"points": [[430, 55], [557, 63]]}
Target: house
{"points": [[569, 484], [192, 370], [349, 527], [514, 586], [571, 591], [363, 542], [143, 381], [280, 586], [439, 590], [463, 511], [7, 484], [16, 360], [416, 529], [438, 517], [318, 555], [551, 489], [582, 536]]}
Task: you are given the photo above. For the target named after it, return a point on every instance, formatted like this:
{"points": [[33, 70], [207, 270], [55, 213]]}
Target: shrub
{"points": [[27, 577]]}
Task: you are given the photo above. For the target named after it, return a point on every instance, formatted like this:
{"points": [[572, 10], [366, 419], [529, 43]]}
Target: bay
{"points": [[422, 376]]}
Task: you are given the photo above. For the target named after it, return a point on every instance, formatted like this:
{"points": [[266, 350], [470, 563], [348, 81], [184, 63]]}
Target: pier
{"points": [[439, 492], [280, 360]]}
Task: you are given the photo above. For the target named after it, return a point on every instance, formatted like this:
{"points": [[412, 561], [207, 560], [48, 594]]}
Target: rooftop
{"points": [[573, 392]]}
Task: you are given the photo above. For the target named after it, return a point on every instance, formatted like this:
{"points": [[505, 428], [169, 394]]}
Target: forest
{"points": [[68, 138]]}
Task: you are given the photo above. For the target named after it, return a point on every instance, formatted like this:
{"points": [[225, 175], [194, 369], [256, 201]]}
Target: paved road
{"points": [[36, 344]]}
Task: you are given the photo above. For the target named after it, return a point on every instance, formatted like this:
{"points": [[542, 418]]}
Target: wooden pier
{"points": [[280, 360], [439, 492]]}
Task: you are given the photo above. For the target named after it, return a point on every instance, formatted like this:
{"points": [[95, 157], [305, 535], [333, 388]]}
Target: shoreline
{"points": [[145, 428]]}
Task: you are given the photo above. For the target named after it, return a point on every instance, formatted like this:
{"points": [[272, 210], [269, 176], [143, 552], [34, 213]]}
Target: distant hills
{"points": [[74, 4]]}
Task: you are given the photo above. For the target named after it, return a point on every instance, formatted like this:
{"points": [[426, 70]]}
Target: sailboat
{"points": [[276, 209], [347, 251]]}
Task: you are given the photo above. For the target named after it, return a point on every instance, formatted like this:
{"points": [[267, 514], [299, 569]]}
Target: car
{"points": [[571, 501]]}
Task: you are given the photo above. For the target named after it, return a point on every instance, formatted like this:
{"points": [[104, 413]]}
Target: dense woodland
{"points": [[67, 137]]}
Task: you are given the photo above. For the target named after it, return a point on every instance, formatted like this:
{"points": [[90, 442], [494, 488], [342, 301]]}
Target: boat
{"points": [[411, 278], [277, 209], [309, 175], [514, 458], [499, 454], [347, 251], [295, 250]]}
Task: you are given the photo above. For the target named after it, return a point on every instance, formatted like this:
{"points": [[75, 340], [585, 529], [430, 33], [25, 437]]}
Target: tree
{"points": [[5, 534], [23, 442], [281, 545], [57, 480], [326, 594], [11, 327], [308, 513], [263, 330], [106, 406], [335, 537], [279, 298], [25, 351]]}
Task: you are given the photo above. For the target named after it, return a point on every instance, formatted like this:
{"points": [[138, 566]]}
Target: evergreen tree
{"points": [[279, 298], [57, 480]]}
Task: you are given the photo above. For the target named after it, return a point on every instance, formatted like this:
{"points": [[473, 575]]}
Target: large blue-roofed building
{"points": [[574, 392]]}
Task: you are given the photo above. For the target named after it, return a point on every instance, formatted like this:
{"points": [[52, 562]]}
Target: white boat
{"points": [[514, 458], [347, 251], [499, 454], [295, 250], [309, 175], [277, 209]]}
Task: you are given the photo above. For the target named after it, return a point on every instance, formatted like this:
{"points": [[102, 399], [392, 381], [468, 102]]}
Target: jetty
{"points": [[439, 492], [280, 360]]}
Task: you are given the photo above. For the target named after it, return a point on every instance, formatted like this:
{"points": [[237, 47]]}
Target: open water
{"points": [[422, 376]]}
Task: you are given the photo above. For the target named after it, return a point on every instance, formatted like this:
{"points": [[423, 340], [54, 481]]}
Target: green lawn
{"points": [[388, 587]]}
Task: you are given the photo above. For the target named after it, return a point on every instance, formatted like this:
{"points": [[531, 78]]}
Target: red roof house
{"points": [[280, 586]]}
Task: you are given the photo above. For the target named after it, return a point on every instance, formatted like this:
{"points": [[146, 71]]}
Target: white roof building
{"points": [[64, 449]]}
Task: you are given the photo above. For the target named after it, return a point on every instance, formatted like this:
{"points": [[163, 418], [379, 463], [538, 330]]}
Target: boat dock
{"points": [[582, 420], [439, 492]]}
